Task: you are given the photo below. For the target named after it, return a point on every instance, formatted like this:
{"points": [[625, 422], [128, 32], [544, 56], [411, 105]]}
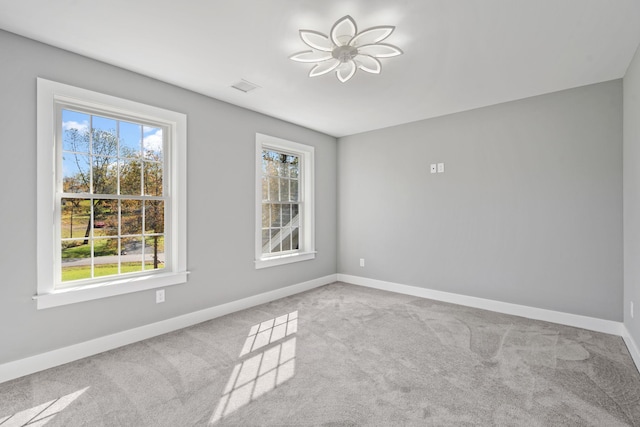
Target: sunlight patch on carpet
{"points": [[259, 374], [41, 414]]}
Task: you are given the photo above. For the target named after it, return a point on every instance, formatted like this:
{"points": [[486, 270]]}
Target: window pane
{"points": [[265, 189], [286, 240], [154, 252], [284, 189], [276, 215], [283, 167], [273, 214], [294, 167], [105, 177], [153, 143], [74, 221], [275, 239], [295, 210], [131, 254], [105, 217], [104, 140], [131, 216], [75, 131], [265, 240], [293, 192], [152, 179], [274, 192], [271, 166], [286, 215], [75, 173], [130, 177], [266, 216], [105, 261], [76, 260], [154, 217], [130, 143], [295, 239], [104, 124]]}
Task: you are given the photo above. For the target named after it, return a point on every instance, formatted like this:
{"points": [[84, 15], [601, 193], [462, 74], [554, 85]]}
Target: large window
{"points": [[284, 201], [112, 198], [111, 182]]}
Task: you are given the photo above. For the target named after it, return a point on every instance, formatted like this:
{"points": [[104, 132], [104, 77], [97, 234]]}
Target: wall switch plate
{"points": [[433, 168], [159, 296], [440, 167], [361, 262]]}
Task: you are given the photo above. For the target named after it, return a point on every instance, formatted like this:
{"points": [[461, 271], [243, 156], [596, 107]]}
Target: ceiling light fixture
{"points": [[345, 50]]}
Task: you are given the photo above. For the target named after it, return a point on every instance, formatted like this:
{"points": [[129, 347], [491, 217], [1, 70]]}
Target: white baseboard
{"points": [[50, 359], [632, 346], [584, 322]]}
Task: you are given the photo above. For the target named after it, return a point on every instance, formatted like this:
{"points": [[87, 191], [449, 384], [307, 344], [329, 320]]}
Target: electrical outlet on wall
{"points": [[159, 296], [361, 262]]}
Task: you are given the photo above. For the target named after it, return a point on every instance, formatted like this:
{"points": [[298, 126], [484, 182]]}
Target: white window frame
{"points": [[50, 96], [306, 250]]}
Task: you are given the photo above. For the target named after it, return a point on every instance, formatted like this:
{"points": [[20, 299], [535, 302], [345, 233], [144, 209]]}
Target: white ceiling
{"points": [[458, 54]]}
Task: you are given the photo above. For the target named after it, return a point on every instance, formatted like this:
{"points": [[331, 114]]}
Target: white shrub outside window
{"points": [[111, 195], [284, 202]]}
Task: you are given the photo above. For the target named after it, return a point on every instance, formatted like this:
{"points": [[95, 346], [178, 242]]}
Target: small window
{"points": [[284, 202], [111, 181]]}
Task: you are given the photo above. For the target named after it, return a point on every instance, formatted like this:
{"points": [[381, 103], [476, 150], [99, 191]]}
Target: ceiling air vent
{"points": [[244, 86]]}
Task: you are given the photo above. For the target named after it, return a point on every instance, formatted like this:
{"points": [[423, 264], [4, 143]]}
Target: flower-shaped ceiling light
{"points": [[345, 50]]}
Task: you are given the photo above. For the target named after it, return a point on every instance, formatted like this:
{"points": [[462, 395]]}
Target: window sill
{"points": [[109, 289], [285, 259]]}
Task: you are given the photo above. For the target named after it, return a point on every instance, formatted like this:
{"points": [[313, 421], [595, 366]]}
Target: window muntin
{"points": [[284, 201], [151, 139], [110, 198]]}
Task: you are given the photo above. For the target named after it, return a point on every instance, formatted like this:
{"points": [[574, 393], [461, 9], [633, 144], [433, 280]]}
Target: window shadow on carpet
{"points": [[258, 374]]}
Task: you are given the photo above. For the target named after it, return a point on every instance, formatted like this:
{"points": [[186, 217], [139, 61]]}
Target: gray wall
{"points": [[632, 196], [221, 210], [528, 211]]}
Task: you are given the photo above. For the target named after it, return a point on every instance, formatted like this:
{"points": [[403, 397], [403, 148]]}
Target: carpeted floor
{"points": [[343, 355]]}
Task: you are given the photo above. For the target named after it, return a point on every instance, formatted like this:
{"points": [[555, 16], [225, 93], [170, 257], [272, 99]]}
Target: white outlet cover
{"points": [[440, 167], [159, 296], [361, 262]]}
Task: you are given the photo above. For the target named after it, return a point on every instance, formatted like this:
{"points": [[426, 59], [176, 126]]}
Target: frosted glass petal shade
{"points": [[344, 29], [368, 63], [379, 50], [324, 68], [311, 56], [372, 35], [346, 71], [316, 40]]}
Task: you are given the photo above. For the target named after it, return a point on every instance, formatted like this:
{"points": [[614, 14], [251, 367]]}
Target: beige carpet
{"points": [[343, 355]]}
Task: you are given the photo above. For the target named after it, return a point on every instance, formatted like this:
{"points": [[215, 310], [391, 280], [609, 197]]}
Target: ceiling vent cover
{"points": [[244, 86]]}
